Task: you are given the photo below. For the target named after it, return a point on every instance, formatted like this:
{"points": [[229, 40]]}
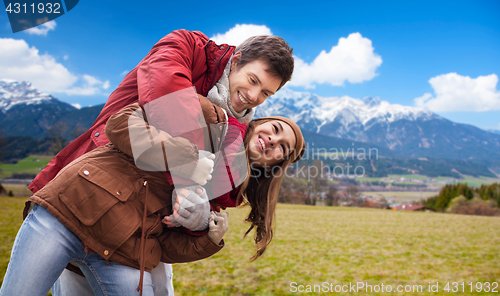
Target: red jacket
{"points": [[232, 142], [179, 60], [231, 145]]}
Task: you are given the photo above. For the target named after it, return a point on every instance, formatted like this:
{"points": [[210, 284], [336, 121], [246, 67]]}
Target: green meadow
{"points": [[337, 246], [402, 196], [471, 181], [29, 165], [439, 181]]}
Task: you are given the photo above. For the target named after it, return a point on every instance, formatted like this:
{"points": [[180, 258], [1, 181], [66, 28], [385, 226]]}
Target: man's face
{"points": [[250, 85]]}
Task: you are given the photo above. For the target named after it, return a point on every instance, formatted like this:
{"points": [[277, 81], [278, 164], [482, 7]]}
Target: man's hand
{"points": [[182, 192], [191, 210], [219, 223], [204, 168]]}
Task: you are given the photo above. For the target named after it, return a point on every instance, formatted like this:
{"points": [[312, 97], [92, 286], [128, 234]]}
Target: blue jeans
{"points": [[72, 284], [42, 249]]}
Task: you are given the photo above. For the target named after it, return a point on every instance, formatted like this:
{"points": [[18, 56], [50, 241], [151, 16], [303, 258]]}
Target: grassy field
{"points": [[419, 177], [17, 189], [335, 245], [341, 245], [402, 196], [440, 181], [11, 215], [30, 165], [471, 181]]}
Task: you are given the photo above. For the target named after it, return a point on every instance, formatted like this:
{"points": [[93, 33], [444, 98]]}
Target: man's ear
{"points": [[235, 60]]}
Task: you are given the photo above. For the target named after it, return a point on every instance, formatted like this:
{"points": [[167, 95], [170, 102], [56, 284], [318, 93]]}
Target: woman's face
{"points": [[270, 144]]}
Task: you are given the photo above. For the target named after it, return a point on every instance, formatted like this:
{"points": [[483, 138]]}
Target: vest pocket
{"points": [[93, 191]]}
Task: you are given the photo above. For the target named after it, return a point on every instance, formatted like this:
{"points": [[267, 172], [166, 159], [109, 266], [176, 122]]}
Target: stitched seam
{"points": [[96, 276], [23, 234]]}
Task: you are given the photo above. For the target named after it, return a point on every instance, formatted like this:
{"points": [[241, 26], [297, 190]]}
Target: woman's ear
{"points": [[234, 61]]}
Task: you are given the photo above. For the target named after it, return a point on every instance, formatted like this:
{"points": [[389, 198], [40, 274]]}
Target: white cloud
{"points": [[91, 86], [91, 81], [77, 106], [20, 62], [124, 73], [353, 59], [65, 57], [239, 33], [42, 29], [454, 92]]}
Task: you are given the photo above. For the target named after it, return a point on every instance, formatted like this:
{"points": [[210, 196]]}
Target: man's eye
{"points": [[283, 148]]}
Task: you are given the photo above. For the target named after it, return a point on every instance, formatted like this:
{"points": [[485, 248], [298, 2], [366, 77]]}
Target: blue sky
{"points": [[446, 53]]}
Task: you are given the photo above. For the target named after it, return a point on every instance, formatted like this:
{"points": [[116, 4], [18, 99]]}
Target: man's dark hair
{"points": [[272, 50]]}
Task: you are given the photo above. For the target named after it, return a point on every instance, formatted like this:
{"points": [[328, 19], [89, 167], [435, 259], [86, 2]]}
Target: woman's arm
{"points": [[157, 150], [179, 247], [150, 145]]}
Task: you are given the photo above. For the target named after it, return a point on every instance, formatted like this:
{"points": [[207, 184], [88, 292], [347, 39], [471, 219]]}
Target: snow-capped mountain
{"points": [[406, 130], [13, 93], [349, 112], [25, 111]]}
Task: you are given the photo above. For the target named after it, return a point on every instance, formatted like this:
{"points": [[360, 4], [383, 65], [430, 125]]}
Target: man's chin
{"points": [[239, 109]]}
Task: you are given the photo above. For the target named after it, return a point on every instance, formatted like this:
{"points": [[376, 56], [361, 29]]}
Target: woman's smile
{"points": [[263, 143]]}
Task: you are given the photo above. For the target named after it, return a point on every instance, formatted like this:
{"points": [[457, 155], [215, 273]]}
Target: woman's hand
{"points": [[219, 224]]}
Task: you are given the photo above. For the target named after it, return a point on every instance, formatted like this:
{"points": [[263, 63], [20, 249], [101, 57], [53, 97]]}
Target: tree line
{"points": [[463, 199]]}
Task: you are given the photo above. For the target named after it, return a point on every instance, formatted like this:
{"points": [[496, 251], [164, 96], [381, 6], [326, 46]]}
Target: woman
{"points": [[91, 213]]}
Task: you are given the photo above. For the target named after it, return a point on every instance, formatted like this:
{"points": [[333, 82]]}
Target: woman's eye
{"points": [[275, 128], [253, 81]]}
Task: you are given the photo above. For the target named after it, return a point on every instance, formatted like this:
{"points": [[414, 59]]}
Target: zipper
{"points": [[217, 66]]}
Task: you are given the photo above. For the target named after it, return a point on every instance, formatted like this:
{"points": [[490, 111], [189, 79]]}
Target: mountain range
{"points": [[406, 131], [335, 122], [25, 111]]}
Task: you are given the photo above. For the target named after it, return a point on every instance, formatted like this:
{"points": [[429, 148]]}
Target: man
{"points": [[243, 78]]}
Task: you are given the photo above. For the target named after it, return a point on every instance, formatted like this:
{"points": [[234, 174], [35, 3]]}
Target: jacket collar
{"points": [[217, 58]]}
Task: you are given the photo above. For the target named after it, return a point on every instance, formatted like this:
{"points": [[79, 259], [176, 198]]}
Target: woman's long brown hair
{"points": [[260, 191]]}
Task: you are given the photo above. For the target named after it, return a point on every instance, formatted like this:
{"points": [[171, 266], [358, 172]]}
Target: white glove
{"points": [[219, 223], [194, 210], [204, 167]]}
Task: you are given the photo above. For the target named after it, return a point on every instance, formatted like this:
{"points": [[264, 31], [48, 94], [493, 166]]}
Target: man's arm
{"points": [[168, 66], [164, 77]]}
